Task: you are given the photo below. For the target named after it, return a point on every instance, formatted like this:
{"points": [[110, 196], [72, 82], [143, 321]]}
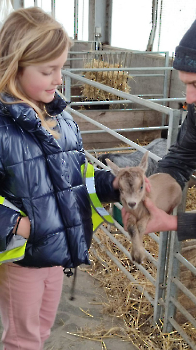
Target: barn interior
{"points": [[123, 99]]}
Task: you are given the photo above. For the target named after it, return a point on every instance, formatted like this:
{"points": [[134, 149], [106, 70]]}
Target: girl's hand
{"points": [[24, 227]]}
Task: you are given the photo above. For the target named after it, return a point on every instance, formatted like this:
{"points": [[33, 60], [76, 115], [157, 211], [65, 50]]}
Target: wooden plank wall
{"points": [[115, 120]]}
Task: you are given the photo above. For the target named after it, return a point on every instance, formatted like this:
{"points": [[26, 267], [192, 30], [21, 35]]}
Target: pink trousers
{"points": [[29, 299]]}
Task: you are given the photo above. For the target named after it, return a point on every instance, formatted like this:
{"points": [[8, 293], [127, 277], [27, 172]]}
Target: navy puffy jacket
{"points": [[42, 177]]}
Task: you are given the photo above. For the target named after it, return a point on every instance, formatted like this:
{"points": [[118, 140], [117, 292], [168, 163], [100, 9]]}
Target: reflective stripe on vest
{"points": [[8, 204], [99, 214], [16, 248]]}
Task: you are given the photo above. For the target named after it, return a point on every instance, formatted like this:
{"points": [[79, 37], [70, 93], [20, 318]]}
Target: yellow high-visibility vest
{"points": [[16, 248], [99, 214]]}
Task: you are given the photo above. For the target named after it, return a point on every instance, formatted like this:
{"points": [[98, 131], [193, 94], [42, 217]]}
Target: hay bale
{"points": [[115, 79]]}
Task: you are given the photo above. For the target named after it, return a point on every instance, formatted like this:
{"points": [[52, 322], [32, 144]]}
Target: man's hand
{"points": [[148, 184], [159, 219]]}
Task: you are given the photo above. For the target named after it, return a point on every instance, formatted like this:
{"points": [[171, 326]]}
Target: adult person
{"points": [[180, 162], [45, 209]]}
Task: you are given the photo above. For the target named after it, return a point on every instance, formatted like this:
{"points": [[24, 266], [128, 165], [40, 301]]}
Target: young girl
{"points": [[45, 209]]}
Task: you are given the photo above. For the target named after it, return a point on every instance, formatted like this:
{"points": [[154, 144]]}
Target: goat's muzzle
{"points": [[131, 204]]}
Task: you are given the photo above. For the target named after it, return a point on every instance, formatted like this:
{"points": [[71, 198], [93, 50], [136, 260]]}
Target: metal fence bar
{"points": [[93, 52], [124, 270], [185, 263], [148, 255], [128, 255], [161, 276], [182, 333], [67, 88], [165, 83], [185, 290], [120, 137], [155, 237], [128, 69], [173, 270], [110, 149], [149, 128], [86, 103], [95, 160], [136, 99], [174, 120], [185, 313]]}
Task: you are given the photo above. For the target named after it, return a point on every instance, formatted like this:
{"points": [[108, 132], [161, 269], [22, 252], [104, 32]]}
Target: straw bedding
{"points": [[125, 302]]}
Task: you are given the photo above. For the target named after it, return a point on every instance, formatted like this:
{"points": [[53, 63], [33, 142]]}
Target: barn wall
{"points": [[115, 120]]}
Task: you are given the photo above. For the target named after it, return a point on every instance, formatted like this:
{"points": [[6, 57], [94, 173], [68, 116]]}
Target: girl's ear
{"points": [[144, 162], [114, 168]]}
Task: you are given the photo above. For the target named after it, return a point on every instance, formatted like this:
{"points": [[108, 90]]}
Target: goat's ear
{"points": [[144, 162], [114, 168]]}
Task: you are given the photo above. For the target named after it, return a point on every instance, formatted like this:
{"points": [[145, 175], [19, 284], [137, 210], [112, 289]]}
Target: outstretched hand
{"points": [[159, 219], [148, 184]]}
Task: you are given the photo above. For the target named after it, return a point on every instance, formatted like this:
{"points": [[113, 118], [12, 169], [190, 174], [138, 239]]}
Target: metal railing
{"points": [[120, 59]]}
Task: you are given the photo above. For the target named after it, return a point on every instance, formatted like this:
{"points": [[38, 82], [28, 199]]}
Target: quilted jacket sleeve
{"points": [[180, 162], [8, 218], [104, 187]]}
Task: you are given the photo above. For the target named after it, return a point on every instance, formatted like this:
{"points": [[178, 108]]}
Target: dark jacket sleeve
{"points": [[104, 187], [8, 218], [186, 223], [180, 163]]}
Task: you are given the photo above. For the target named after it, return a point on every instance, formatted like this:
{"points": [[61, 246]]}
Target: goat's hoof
{"points": [[138, 257], [137, 260]]}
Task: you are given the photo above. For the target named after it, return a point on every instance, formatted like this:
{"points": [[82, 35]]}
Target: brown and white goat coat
{"points": [[165, 193]]}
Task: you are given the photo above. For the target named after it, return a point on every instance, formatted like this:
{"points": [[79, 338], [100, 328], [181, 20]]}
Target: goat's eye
{"points": [[141, 188]]}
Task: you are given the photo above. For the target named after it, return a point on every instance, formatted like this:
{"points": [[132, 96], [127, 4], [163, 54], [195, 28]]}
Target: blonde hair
{"points": [[29, 37]]}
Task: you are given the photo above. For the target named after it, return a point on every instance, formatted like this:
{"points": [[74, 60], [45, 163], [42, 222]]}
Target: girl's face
{"points": [[39, 82]]}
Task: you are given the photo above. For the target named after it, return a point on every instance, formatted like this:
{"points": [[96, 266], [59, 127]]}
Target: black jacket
{"points": [[180, 162], [42, 177]]}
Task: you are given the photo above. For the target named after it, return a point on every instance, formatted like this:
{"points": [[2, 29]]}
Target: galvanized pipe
{"points": [[146, 103], [120, 137]]}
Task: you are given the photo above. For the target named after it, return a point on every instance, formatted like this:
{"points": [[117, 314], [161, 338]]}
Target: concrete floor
{"points": [[71, 318]]}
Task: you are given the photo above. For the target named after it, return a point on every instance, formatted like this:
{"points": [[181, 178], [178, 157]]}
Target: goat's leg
{"points": [[141, 226], [138, 251]]}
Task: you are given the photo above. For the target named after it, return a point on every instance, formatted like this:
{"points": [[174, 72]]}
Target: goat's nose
{"points": [[132, 204]]}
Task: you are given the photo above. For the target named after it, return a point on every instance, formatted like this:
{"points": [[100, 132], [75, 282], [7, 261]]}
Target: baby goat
{"points": [[165, 192]]}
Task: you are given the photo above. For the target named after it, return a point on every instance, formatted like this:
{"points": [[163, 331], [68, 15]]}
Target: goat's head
{"points": [[131, 182]]}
